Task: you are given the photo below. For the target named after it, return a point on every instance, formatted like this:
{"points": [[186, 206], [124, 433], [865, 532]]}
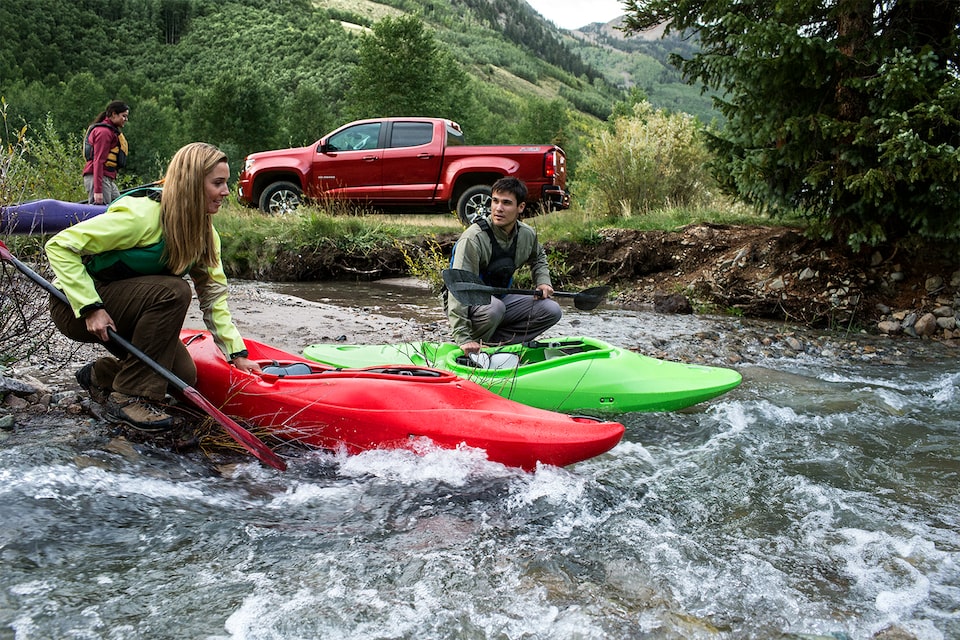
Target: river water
{"points": [[818, 499]]}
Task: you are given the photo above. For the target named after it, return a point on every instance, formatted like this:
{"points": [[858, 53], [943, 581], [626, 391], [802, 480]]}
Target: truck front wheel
{"points": [[473, 204], [280, 198]]}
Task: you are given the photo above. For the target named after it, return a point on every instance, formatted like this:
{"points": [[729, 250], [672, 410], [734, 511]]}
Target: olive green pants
{"points": [[149, 312]]}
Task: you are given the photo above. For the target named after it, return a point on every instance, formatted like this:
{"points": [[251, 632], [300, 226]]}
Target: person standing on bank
{"points": [[105, 150], [125, 268], [494, 247]]}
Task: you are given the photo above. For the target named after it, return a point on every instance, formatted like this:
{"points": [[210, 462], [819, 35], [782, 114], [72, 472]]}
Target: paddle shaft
{"points": [[523, 292], [249, 441], [470, 288]]}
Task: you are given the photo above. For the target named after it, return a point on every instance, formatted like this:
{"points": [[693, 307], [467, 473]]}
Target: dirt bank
{"points": [[755, 272]]}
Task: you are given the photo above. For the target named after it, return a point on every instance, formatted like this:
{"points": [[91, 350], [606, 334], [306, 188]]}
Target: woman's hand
{"points": [[98, 322], [246, 365]]}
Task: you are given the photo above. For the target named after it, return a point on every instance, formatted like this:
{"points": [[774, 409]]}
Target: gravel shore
{"points": [[45, 383]]}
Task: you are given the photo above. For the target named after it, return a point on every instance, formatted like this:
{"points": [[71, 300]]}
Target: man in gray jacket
{"points": [[494, 247]]}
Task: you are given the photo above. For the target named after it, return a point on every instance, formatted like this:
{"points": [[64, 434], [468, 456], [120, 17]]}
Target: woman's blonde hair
{"points": [[187, 228]]}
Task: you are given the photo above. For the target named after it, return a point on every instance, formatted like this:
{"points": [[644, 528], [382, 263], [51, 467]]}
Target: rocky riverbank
{"points": [[778, 274], [772, 273]]}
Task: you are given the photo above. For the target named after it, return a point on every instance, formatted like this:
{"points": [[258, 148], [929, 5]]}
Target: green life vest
{"points": [[121, 264]]}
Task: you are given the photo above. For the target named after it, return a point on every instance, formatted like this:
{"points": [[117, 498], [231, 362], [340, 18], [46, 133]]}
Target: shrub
{"points": [[647, 160]]}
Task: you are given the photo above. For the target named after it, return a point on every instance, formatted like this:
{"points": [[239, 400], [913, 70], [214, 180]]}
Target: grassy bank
{"points": [[247, 231]]}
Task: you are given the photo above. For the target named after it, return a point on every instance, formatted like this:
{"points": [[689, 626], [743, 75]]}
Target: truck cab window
{"points": [[358, 138], [411, 134]]}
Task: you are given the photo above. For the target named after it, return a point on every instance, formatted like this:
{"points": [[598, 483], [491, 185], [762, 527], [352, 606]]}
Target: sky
{"points": [[572, 14]]}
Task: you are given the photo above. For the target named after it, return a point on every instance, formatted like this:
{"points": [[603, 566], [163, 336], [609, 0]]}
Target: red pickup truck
{"points": [[410, 163]]}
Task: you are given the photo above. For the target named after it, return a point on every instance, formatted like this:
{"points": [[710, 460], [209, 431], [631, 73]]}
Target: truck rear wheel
{"points": [[280, 198], [473, 204]]}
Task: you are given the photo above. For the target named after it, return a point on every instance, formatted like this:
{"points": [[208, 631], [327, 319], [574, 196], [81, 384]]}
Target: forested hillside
{"points": [[261, 74], [643, 61]]}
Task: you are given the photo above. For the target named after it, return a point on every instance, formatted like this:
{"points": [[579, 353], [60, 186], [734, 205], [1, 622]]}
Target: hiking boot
{"points": [[138, 413], [85, 379]]}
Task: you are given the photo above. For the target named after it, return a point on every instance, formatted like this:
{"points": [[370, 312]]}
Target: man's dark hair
{"points": [[511, 185]]}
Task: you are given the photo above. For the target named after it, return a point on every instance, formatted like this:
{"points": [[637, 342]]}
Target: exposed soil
{"points": [[757, 272]]}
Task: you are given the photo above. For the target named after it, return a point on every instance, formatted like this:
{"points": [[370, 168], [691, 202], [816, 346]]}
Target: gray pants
{"points": [[513, 319], [149, 312], [108, 188]]}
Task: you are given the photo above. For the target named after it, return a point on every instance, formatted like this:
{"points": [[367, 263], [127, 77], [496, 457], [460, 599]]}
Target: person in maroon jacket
{"points": [[105, 150]]}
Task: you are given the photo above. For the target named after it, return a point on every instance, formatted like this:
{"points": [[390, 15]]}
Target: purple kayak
{"points": [[45, 216]]}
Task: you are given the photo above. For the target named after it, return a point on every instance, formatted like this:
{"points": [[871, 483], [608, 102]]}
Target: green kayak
{"points": [[569, 374]]}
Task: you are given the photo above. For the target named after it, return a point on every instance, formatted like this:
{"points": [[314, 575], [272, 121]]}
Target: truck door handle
{"points": [[424, 156], [369, 158]]}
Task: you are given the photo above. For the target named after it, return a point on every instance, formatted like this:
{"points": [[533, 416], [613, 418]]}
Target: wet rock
{"points": [[894, 632], [947, 323], [671, 303], [934, 284], [7, 422], [926, 325], [889, 327], [18, 386]]}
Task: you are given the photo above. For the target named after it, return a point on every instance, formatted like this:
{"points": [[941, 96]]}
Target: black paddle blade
{"points": [[453, 278], [590, 299], [466, 287]]}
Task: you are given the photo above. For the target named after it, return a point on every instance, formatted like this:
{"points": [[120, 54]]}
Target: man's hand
{"points": [[545, 291], [471, 347]]}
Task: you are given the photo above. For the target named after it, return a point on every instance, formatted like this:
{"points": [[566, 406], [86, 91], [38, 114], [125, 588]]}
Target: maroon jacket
{"points": [[104, 141]]}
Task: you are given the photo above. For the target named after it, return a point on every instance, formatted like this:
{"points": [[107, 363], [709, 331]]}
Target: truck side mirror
{"points": [[324, 147]]}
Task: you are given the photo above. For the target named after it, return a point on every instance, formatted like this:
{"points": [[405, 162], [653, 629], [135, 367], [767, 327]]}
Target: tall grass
{"points": [[36, 163], [31, 165]]}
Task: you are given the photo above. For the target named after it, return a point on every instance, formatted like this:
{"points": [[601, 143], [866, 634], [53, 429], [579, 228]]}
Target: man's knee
{"points": [[550, 311]]}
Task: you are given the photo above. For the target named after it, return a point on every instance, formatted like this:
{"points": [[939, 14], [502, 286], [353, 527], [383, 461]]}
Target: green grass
{"points": [[580, 225], [312, 228], [252, 241]]}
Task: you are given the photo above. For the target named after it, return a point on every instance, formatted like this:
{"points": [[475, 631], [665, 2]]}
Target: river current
{"points": [[819, 499]]}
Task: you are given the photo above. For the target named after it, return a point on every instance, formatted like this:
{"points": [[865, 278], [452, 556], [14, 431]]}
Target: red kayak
{"points": [[390, 407]]}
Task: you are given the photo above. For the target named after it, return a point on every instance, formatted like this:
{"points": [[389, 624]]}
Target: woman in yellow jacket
{"points": [[125, 269]]}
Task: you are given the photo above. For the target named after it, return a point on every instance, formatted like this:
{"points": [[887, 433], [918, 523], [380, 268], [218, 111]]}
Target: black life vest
{"points": [[499, 271], [117, 158]]}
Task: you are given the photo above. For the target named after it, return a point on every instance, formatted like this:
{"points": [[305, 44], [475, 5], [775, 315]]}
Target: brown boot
{"points": [[87, 382], [139, 413]]}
